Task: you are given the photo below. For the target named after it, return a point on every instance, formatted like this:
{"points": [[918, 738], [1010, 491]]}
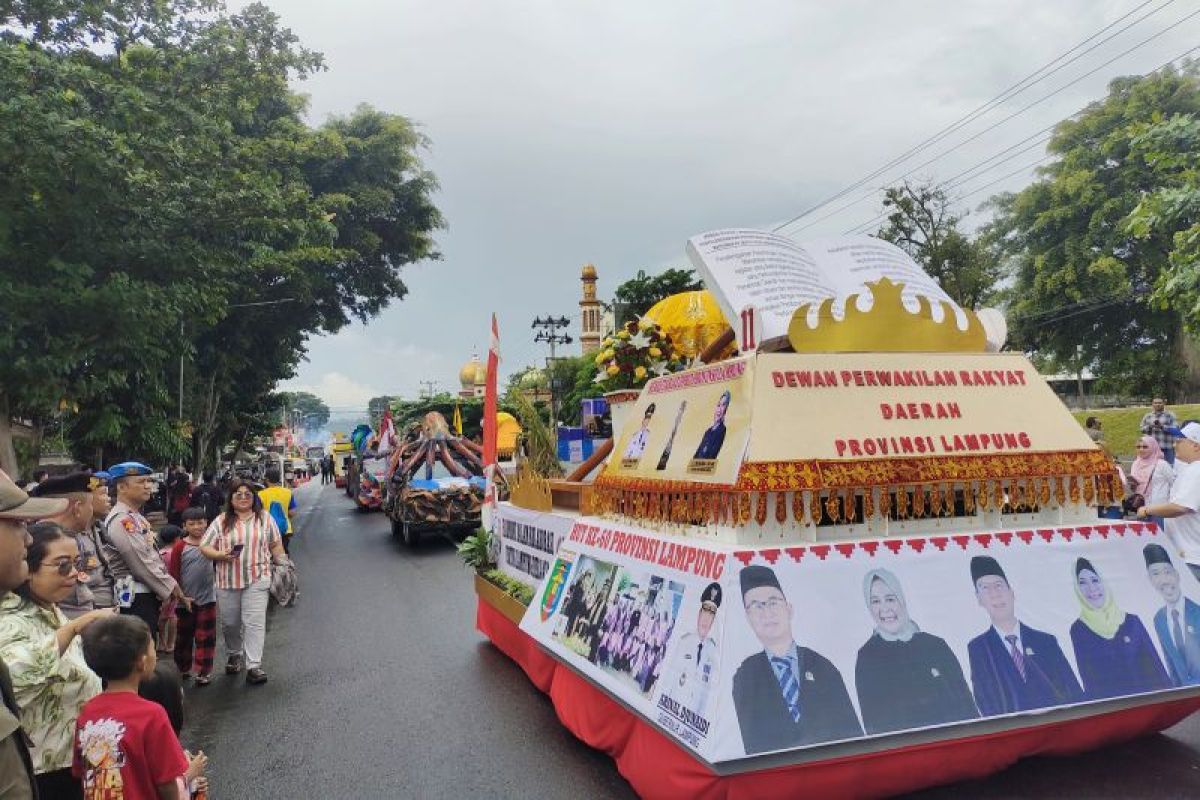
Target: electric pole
{"points": [[427, 390], [547, 331]]}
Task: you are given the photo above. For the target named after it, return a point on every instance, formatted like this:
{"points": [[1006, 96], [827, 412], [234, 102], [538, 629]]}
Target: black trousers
{"points": [[146, 605], [59, 785]]}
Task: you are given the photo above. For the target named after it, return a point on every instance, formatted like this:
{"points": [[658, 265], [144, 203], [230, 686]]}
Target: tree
{"points": [[921, 222], [1170, 150], [172, 180], [1082, 278], [637, 295], [303, 410]]}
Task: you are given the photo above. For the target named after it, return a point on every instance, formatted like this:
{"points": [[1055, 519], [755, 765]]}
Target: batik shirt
{"points": [[50, 688]]}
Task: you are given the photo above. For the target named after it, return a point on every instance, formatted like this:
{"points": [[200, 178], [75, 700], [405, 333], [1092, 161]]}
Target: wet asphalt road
{"points": [[380, 687]]}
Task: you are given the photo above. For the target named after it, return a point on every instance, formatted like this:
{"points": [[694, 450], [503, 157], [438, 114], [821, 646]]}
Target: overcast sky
{"points": [[609, 132]]}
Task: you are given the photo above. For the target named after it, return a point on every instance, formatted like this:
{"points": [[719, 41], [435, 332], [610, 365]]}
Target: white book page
{"points": [[850, 262], [746, 267]]}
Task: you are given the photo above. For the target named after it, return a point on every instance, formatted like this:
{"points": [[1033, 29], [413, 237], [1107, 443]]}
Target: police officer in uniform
{"points": [[141, 583], [694, 665]]}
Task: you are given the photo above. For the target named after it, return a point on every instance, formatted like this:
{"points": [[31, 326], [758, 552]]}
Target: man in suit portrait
{"points": [[1014, 667], [1178, 622], [785, 695], [714, 435]]}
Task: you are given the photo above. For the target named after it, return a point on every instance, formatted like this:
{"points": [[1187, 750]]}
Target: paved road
{"points": [[381, 688]]}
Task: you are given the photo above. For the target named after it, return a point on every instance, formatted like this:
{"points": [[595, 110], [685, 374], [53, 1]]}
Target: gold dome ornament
{"points": [[692, 319], [887, 327], [469, 375]]}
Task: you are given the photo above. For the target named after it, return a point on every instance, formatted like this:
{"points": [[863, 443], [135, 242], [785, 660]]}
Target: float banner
{"points": [[688, 426], [528, 541], [792, 648], [838, 642], [641, 615], [887, 405]]}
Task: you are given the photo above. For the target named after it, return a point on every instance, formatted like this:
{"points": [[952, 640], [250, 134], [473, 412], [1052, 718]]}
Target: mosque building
{"points": [[472, 378]]}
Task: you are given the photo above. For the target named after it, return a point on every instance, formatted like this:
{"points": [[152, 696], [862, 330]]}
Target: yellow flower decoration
{"points": [[601, 358], [622, 334], [639, 372], [655, 352], [613, 369]]}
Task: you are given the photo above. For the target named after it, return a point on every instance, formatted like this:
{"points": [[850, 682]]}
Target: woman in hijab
{"points": [[906, 678], [1151, 476], [1113, 650]]}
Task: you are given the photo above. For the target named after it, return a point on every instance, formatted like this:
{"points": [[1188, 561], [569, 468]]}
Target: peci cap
{"points": [[982, 566], [1189, 430], [128, 469], [1156, 554], [710, 598], [70, 483], [15, 502], [756, 576]]}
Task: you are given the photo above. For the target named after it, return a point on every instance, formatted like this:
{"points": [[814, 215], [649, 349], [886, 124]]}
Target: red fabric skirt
{"points": [[657, 767]]}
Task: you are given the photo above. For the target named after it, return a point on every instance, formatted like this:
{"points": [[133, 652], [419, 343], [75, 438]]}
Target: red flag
{"points": [[489, 426]]}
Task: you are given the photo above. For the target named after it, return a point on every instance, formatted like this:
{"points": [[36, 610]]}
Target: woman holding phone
{"points": [[243, 541]]}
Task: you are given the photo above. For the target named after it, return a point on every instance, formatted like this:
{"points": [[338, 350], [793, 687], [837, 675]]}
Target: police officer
{"points": [[694, 664], [76, 519], [141, 583], [100, 581]]}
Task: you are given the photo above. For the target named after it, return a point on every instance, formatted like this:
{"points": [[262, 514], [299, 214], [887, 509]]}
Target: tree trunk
{"points": [[8, 453]]}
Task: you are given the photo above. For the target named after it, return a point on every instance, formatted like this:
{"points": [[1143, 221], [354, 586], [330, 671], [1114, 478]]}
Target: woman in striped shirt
{"points": [[243, 541]]}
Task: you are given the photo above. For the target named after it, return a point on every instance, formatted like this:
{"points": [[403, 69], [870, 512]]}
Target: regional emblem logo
{"points": [[556, 584]]}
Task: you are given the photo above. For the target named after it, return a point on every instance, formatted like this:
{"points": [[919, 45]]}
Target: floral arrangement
{"points": [[636, 352]]}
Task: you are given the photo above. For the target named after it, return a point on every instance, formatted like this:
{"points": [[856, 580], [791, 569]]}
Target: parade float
{"points": [[860, 558], [418, 501]]}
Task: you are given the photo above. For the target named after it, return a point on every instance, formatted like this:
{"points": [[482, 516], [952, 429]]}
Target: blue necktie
{"points": [[788, 685]]}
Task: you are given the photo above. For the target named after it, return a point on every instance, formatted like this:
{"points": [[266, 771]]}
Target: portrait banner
{"points": [[738, 653], [853, 641], [689, 426]]}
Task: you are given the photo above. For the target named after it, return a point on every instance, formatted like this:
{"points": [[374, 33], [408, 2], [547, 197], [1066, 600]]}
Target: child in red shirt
{"points": [[125, 747]]}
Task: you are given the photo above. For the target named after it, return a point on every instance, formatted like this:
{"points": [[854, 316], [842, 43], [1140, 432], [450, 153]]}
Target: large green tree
{"points": [[1082, 278], [165, 201], [922, 221], [638, 294]]}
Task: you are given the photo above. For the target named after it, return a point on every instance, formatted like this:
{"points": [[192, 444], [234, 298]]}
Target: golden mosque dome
{"points": [[473, 373], [589, 272]]}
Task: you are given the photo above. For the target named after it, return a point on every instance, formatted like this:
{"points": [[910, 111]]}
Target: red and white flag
{"points": [[387, 433], [489, 428]]}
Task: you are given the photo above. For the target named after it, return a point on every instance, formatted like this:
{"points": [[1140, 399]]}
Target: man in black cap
{"points": [[76, 519], [1014, 667], [1178, 622], [16, 511], [787, 695], [693, 669]]}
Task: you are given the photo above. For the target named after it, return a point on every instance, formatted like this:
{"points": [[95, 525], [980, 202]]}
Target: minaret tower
{"points": [[589, 312]]}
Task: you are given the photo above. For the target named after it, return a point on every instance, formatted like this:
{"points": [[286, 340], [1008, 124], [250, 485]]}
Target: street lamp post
{"points": [[547, 331]]}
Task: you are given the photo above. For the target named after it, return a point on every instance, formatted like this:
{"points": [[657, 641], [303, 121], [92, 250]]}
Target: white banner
{"points": [[527, 541], [758, 651]]}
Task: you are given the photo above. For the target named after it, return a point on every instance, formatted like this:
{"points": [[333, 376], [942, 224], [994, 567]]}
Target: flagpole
{"points": [[489, 430]]}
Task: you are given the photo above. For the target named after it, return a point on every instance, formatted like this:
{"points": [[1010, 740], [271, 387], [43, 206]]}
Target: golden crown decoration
{"points": [[528, 490], [888, 327]]}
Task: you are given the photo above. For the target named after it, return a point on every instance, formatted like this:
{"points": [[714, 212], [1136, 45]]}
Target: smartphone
{"points": [[237, 550]]}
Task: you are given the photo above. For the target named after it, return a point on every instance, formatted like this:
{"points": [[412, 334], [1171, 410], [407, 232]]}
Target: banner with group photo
{"points": [[739, 653], [640, 615], [688, 426], [527, 541]]}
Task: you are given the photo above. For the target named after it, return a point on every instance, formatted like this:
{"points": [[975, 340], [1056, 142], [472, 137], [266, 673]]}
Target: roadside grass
{"points": [[1120, 425]]}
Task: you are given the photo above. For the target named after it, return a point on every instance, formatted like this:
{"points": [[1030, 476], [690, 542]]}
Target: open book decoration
{"points": [[844, 294]]}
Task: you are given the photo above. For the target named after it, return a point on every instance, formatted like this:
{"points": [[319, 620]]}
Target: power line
{"points": [[1007, 94], [860, 227]]}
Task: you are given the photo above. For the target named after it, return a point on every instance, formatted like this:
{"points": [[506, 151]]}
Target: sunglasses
{"points": [[64, 567]]}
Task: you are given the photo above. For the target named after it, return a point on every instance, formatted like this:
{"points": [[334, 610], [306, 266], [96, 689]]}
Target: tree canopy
{"points": [[165, 201], [638, 294], [921, 221], [1085, 266]]}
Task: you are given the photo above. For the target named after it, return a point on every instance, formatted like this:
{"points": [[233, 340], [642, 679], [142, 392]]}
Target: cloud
{"points": [[337, 390]]}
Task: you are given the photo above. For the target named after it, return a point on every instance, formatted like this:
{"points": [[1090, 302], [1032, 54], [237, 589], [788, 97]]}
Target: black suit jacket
{"points": [[763, 716]]}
